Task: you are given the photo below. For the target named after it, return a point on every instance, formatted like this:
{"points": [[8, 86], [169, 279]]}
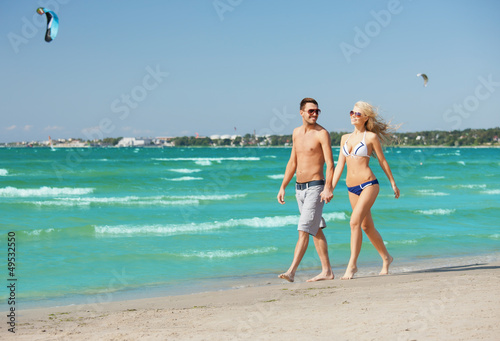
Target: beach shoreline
{"points": [[456, 302], [482, 146], [118, 292]]}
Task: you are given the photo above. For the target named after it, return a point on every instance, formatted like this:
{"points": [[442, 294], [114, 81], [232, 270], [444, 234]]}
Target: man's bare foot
{"points": [[287, 276], [385, 266], [349, 273], [322, 277]]}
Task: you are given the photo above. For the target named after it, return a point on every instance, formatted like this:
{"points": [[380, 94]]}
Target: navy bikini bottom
{"points": [[359, 188]]}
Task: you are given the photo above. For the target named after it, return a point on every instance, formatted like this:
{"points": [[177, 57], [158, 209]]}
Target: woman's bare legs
{"points": [[376, 239], [361, 219]]}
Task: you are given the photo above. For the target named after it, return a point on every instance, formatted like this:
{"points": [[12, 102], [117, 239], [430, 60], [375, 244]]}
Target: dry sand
{"points": [[454, 303]]}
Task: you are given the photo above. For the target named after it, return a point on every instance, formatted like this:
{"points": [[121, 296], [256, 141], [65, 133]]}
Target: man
{"points": [[310, 151]]}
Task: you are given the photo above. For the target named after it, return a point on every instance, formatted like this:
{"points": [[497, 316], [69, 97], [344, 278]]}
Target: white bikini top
{"points": [[359, 150]]}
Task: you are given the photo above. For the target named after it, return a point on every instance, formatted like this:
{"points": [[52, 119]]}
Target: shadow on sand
{"points": [[469, 267]]}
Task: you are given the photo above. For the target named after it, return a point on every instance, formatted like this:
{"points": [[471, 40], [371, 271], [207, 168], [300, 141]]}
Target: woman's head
{"points": [[374, 123], [367, 110]]}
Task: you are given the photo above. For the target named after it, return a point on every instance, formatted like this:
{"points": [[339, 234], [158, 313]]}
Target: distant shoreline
{"points": [[431, 138], [216, 147]]}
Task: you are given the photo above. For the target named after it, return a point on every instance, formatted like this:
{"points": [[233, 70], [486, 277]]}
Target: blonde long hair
{"points": [[375, 123]]}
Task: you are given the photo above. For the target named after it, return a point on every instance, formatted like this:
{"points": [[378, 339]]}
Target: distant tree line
{"points": [[113, 141], [467, 137], [457, 138]]}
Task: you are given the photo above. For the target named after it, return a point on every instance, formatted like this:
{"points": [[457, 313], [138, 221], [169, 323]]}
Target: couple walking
{"points": [[311, 150]]}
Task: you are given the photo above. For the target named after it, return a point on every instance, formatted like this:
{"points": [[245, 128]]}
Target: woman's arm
{"points": [[377, 147]]}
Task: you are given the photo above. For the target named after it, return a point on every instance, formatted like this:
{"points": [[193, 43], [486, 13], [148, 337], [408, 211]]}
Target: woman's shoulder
{"points": [[370, 136], [343, 139], [373, 140]]}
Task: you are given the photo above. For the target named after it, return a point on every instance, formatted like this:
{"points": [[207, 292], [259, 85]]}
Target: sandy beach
{"points": [[453, 303]]}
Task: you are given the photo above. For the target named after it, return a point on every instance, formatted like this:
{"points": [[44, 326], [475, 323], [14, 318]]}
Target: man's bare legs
{"points": [[300, 250], [361, 219], [322, 249]]}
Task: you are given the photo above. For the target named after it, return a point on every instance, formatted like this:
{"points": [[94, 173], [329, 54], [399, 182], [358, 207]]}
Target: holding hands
{"points": [[326, 196]]}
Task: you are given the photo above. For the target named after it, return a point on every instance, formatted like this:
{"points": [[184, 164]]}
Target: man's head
{"points": [[307, 100], [309, 110]]}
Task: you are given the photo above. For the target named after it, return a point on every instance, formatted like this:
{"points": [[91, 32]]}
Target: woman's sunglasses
{"points": [[357, 114]]}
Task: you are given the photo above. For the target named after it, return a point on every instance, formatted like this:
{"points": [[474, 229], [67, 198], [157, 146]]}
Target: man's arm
{"points": [[291, 167], [326, 147]]}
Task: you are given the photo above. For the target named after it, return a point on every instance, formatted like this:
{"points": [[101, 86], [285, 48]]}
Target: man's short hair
{"points": [[307, 100]]}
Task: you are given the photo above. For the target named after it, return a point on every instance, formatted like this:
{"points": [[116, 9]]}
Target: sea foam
{"points": [[117, 201], [430, 192], [227, 253], [491, 191], [470, 186], [181, 200], [171, 229], [403, 242], [183, 178], [38, 232], [4, 172], [437, 211], [190, 228], [210, 159], [43, 191], [184, 170], [207, 197]]}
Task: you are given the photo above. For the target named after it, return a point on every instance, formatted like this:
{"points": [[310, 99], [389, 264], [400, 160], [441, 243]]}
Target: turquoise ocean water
{"points": [[93, 225]]}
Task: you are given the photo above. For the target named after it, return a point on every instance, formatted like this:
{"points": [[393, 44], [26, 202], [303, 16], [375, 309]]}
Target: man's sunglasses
{"points": [[314, 111]]}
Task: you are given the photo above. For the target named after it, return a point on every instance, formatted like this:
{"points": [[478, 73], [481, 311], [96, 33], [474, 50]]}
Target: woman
{"points": [[362, 184]]}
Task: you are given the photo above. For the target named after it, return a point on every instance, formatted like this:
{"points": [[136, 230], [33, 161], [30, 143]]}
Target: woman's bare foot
{"points": [[349, 273], [385, 266], [322, 277], [288, 276]]}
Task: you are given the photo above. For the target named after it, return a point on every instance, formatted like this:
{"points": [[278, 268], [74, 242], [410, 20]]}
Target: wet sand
{"points": [[453, 303]]}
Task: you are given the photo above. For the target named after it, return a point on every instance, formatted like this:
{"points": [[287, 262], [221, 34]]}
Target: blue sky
{"points": [[180, 67]]}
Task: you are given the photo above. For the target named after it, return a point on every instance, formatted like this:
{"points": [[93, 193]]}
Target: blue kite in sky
{"points": [[52, 23]]}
